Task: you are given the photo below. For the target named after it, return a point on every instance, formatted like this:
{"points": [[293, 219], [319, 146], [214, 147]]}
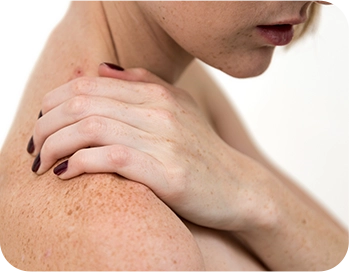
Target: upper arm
{"points": [[93, 222]]}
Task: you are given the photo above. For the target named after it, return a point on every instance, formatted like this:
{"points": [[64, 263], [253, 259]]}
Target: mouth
{"points": [[277, 35]]}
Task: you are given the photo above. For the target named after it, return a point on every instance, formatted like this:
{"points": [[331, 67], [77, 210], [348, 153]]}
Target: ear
{"points": [[132, 74]]}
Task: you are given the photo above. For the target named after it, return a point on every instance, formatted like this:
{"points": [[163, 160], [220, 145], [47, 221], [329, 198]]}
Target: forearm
{"points": [[294, 235], [284, 242]]}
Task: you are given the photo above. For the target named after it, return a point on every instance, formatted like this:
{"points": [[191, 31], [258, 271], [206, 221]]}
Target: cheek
{"points": [[227, 43]]}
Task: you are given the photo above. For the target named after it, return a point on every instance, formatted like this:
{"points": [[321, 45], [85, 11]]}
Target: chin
{"points": [[248, 65], [250, 72]]}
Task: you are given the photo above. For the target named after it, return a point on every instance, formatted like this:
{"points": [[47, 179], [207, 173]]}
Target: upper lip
{"points": [[295, 21]]}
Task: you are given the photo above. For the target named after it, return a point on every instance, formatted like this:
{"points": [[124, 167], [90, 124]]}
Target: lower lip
{"points": [[277, 35]]}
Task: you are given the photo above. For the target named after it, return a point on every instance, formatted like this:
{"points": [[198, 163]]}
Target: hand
{"points": [[142, 128]]}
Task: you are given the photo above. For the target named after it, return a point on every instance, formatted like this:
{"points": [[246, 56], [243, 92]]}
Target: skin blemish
{"points": [[78, 72]]}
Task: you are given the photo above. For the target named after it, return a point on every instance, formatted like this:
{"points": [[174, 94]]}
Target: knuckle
{"points": [[176, 177], [162, 93], [118, 155], [39, 129], [46, 102], [82, 85], [142, 74], [162, 115], [49, 150], [77, 105], [166, 115], [92, 127], [78, 160]]}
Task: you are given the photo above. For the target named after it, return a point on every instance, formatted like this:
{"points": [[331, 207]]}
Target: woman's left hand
{"points": [[142, 128]]}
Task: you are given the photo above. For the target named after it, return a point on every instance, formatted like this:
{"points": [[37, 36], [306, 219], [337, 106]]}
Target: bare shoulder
{"points": [[93, 222], [219, 110]]}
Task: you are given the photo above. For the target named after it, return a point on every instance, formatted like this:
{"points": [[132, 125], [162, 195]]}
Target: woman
{"points": [[229, 208]]}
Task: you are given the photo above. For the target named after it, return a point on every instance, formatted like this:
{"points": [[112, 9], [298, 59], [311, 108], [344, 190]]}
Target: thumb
{"points": [[111, 70]]}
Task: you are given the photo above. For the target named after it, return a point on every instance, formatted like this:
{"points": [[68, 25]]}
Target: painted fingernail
{"points": [[61, 168], [30, 146], [40, 115], [36, 164], [113, 66]]}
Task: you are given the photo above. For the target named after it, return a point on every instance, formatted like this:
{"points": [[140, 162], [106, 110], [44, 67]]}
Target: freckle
{"points": [[70, 212], [304, 221]]}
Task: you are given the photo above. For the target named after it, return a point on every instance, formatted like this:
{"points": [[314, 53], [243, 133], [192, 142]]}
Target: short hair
{"points": [[310, 24]]}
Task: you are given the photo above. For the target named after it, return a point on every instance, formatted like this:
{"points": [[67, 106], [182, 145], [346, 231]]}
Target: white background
{"points": [[297, 112]]}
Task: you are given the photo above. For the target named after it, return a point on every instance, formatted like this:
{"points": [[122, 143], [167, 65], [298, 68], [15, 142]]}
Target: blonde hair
{"points": [[310, 24]]}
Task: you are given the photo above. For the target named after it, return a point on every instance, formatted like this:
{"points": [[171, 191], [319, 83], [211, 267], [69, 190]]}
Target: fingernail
{"points": [[36, 164], [113, 66], [40, 115], [30, 146], [61, 168]]}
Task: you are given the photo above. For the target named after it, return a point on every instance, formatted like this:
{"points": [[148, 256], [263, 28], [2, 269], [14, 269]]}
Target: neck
{"points": [[140, 42]]}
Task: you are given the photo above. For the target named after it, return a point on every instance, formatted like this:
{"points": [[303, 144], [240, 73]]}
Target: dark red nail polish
{"points": [[40, 115], [36, 164], [61, 168], [113, 66], [30, 146]]}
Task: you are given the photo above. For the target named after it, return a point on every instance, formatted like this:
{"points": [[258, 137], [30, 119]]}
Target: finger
{"points": [[121, 90], [123, 160], [157, 90], [90, 132], [81, 107], [131, 74]]}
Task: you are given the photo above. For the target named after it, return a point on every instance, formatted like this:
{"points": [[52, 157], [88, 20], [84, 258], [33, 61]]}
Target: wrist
{"points": [[259, 202]]}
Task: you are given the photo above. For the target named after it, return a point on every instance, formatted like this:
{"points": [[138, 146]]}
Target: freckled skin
{"points": [[104, 222], [93, 222], [230, 40]]}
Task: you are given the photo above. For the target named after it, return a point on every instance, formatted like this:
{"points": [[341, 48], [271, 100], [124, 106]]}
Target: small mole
{"points": [[78, 72]]}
